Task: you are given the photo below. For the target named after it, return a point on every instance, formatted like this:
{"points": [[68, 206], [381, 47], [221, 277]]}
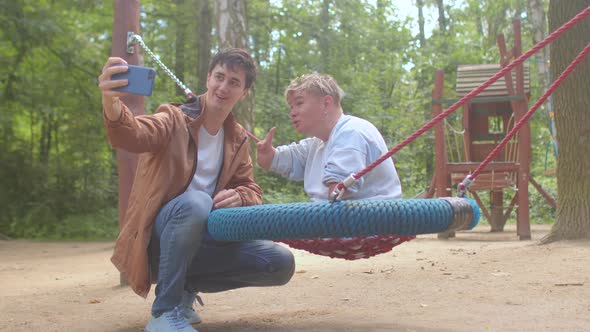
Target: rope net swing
{"points": [[364, 228]]}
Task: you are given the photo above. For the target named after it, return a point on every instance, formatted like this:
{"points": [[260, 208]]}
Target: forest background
{"points": [[58, 174]]}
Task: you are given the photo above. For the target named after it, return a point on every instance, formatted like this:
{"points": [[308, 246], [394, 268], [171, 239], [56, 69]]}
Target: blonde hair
{"points": [[322, 85]]}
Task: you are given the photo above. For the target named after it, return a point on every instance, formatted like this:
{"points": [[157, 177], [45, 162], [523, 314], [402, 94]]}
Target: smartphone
{"points": [[141, 80]]}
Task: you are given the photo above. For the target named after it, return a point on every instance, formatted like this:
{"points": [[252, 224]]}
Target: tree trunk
{"points": [[422, 36], [45, 138], [324, 36], [479, 25], [536, 12], [232, 25], [232, 29], [442, 21], [179, 54], [278, 71], [572, 117], [204, 45]]}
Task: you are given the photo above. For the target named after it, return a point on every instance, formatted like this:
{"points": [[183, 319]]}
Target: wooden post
{"points": [[467, 132], [440, 151], [126, 18], [497, 220], [441, 175], [523, 228], [520, 108]]}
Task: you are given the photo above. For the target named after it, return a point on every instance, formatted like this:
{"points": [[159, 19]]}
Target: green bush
{"points": [[41, 224]]}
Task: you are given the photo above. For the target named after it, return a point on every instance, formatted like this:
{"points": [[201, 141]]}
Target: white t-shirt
{"points": [[354, 143], [209, 161]]}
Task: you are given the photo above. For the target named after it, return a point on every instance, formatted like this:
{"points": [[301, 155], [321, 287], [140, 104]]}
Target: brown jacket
{"points": [[167, 146]]}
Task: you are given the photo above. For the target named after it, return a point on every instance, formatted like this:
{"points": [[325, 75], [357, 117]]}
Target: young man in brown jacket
{"points": [[192, 158]]}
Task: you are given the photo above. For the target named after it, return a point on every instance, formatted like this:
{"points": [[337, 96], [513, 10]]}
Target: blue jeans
{"points": [[185, 257]]}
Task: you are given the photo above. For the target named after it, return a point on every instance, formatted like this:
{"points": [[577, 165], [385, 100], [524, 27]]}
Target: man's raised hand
{"points": [[110, 98], [266, 151]]}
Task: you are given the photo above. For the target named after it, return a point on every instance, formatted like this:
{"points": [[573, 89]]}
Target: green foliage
{"points": [[279, 190], [55, 160], [42, 223], [58, 174]]}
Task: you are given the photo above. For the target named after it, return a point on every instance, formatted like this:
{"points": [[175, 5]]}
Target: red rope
{"points": [[575, 20], [530, 113]]}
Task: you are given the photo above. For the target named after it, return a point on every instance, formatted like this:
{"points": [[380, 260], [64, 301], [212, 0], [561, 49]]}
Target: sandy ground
{"points": [[478, 281]]}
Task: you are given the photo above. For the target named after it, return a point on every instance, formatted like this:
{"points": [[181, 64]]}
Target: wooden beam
{"points": [[523, 227], [440, 150], [510, 207], [543, 193], [441, 175], [470, 167], [483, 208], [479, 100], [126, 18]]}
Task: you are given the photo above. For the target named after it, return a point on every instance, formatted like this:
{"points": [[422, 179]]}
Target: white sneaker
{"points": [[187, 309], [170, 321]]}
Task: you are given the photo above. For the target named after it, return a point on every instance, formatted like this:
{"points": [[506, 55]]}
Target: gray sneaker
{"points": [[187, 309], [170, 321]]}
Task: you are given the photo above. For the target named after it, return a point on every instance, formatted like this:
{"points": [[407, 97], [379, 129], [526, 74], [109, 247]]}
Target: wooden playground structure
{"points": [[486, 120]]}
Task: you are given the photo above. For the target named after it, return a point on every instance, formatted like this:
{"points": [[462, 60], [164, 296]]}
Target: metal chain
{"points": [[168, 72]]}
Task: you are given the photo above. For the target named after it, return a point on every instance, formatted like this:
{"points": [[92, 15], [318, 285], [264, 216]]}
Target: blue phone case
{"points": [[141, 80]]}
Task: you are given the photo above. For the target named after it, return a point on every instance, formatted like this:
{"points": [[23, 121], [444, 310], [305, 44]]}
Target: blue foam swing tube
{"points": [[343, 219]]}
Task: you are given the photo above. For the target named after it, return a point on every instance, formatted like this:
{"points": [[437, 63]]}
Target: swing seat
{"points": [[344, 229], [405, 217]]}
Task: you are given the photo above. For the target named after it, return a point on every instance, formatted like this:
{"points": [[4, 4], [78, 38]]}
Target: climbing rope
{"points": [[340, 187]]}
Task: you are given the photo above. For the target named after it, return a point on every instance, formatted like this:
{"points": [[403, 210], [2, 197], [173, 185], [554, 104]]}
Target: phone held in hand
{"points": [[140, 80]]}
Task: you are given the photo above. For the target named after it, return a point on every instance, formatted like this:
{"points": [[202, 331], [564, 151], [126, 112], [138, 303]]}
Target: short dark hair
{"points": [[236, 57]]}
